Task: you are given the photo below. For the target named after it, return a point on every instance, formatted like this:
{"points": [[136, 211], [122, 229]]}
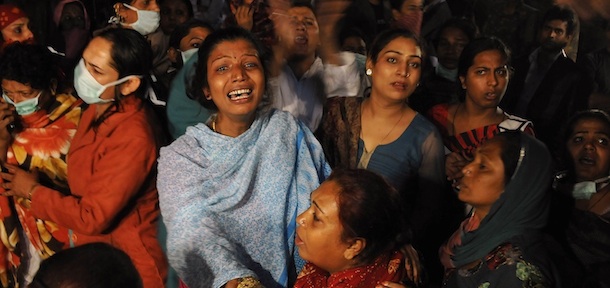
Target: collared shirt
{"points": [[304, 98]]}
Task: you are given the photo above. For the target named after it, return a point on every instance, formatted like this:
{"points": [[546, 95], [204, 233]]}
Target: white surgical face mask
{"points": [[148, 21], [586, 189], [449, 74], [25, 107], [88, 88], [186, 55]]}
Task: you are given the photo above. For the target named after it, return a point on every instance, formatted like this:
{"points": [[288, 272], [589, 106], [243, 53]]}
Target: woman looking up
{"points": [[231, 188], [501, 243], [586, 213], [113, 198], [345, 239]]}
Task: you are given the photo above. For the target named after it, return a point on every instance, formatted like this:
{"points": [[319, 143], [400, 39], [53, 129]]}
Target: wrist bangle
{"points": [[31, 190]]}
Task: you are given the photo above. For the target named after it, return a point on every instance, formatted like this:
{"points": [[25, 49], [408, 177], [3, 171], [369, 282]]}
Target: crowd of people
{"points": [[330, 143]]}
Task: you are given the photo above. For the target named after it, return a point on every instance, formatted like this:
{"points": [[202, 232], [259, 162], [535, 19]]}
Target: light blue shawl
{"points": [[230, 204]]}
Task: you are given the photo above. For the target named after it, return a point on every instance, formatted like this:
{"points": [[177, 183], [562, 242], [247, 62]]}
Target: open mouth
{"points": [[586, 160], [399, 85], [490, 95], [239, 94], [297, 240], [300, 40]]}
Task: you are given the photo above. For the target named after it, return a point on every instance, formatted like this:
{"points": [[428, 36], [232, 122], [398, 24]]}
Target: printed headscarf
{"points": [[522, 207], [8, 14]]}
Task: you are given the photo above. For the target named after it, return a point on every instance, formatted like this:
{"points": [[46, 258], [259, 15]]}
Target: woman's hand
{"points": [[328, 13], [231, 284], [412, 264], [387, 284], [18, 182], [249, 282], [454, 162], [244, 16], [7, 116]]}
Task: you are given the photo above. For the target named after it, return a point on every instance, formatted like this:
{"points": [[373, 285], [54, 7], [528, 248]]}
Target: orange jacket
{"points": [[112, 178]]}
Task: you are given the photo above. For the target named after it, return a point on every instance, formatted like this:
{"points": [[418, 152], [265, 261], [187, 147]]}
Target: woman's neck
{"points": [[475, 112], [383, 109], [100, 108], [231, 126], [468, 116]]}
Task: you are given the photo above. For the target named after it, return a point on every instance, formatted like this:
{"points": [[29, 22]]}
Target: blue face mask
{"points": [[88, 88], [25, 107]]}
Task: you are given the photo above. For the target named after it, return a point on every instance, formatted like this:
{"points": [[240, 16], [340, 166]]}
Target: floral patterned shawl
{"points": [[388, 267], [42, 144]]}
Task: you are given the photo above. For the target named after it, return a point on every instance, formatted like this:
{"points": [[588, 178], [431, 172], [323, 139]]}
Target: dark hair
{"points": [[30, 64], [510, 142], [303, 3], [93, 265], [130, 55], [350, 31], [467, 26], [209, 44], [388, 36], [370, 208], [187, 3], [396, 4], [563, 13], [184, 29], [474, 48], [591, 114]]}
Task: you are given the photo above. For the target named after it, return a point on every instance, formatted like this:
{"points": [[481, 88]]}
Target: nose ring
{"points": [[301, 222], [408, 75]]}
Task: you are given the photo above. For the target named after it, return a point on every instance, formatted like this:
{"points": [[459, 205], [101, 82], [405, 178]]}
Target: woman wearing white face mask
{"points": [[185, 40], [183, 111], [140, 15], [582, 221], [32, 113], [111, 163], [144, 17]]}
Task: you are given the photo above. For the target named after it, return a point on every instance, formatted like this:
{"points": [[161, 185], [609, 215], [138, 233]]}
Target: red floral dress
{"points": [[42, 144]]}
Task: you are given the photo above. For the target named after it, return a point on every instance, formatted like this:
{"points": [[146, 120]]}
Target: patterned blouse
{"points": [[384, 268], [41, 145], [502, 267], [468, 141]]}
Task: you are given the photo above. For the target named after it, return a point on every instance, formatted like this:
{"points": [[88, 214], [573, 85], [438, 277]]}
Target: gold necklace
{"points": [[214, 124], [395, 124]]}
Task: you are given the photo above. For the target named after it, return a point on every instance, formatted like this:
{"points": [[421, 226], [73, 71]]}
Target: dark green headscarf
{"points": [[522, 207]]}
